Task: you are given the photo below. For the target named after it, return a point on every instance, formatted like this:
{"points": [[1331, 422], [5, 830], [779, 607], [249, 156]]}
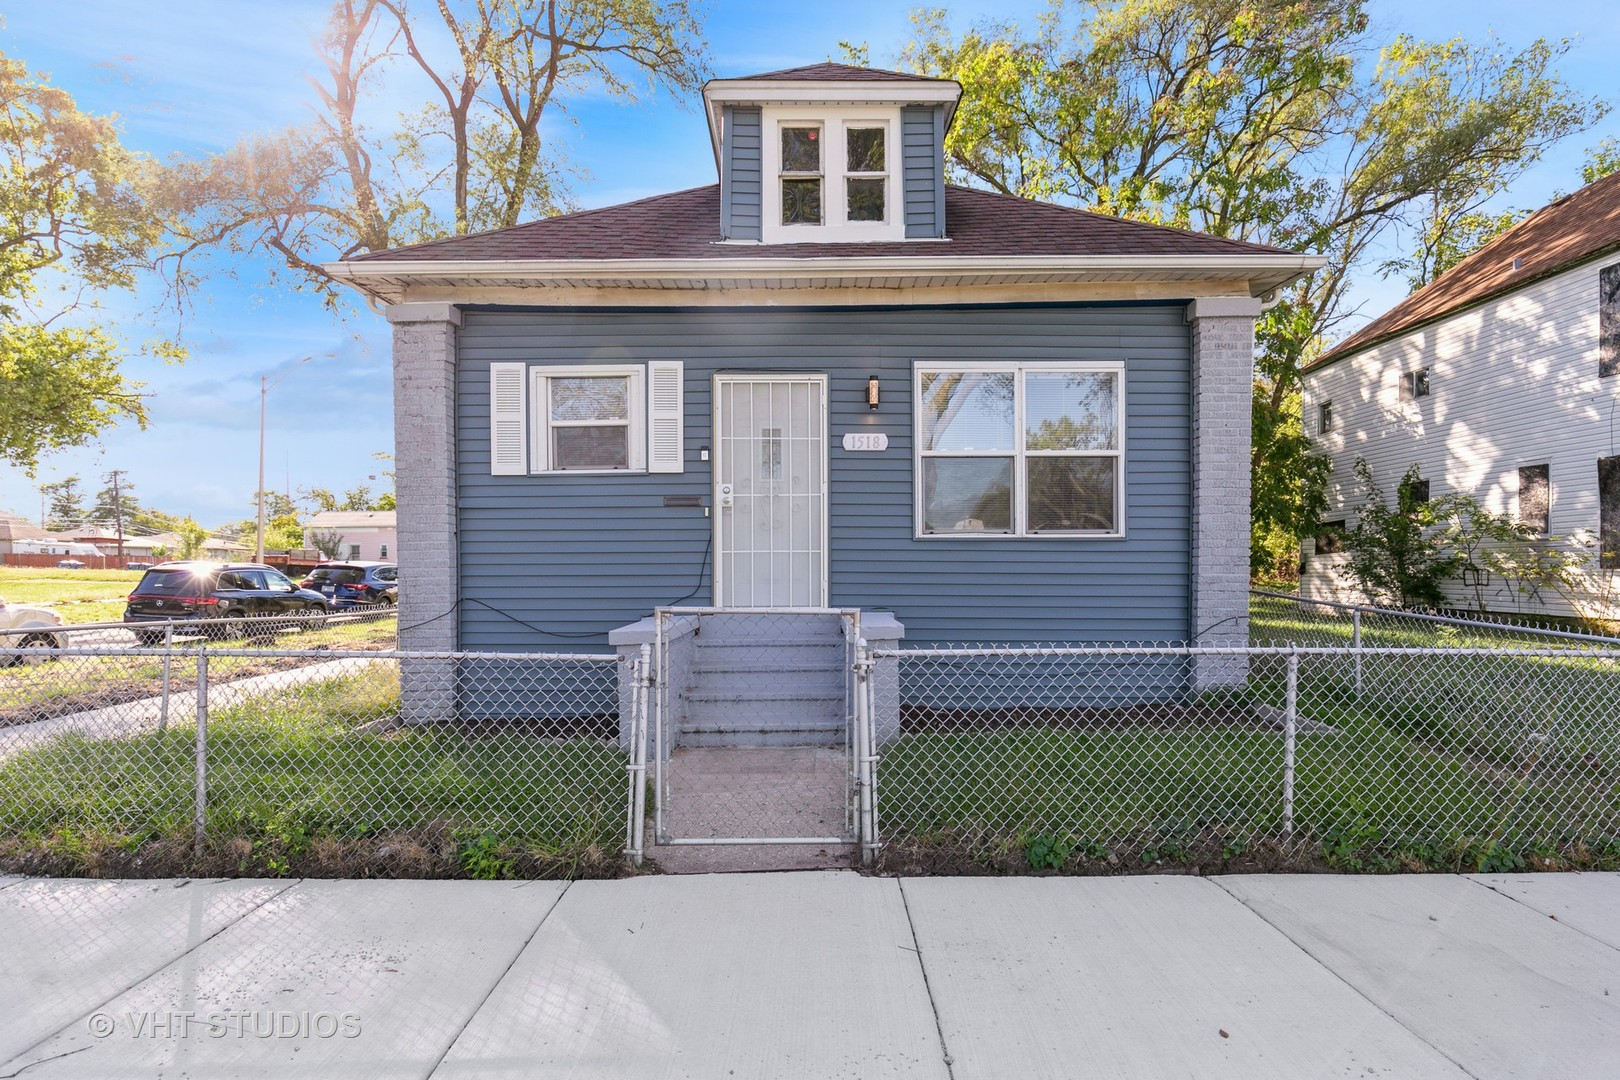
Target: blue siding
{"points": [[577, 556], [922, 164], [740, 175]]}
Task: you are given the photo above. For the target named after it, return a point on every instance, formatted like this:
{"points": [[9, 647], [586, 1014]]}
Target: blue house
{"points": [[832, 380]]}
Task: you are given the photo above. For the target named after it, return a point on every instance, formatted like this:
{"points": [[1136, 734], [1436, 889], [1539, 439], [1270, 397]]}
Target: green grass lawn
{"points": [[80, 596], [296, 770]]}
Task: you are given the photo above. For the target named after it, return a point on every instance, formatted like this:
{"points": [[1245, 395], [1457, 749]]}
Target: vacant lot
{"points": [[81, 596]]}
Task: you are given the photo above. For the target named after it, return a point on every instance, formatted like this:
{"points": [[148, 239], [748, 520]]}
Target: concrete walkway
{"points": [[824, 974]]}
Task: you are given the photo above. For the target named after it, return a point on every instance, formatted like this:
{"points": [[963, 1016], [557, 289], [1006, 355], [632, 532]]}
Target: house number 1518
{"points": [[866, 440]]}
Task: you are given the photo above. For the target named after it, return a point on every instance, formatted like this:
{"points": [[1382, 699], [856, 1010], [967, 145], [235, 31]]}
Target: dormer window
{"points": [[801, 175]]}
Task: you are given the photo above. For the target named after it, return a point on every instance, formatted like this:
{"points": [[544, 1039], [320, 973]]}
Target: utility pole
{"points": [[118, 514]]}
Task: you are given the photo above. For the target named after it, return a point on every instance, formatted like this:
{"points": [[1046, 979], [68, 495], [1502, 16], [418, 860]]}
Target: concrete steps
{"points": [[766, 680]]}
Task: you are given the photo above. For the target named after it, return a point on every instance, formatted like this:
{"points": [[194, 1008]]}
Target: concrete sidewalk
{"points": [[824, 974]]}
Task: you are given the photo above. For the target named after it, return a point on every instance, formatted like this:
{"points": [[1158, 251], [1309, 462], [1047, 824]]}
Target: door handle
{"points": [[725, 496]]}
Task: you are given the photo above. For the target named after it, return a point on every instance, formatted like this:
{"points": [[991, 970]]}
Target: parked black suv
{"points": [[209, 590], [354, 583]]}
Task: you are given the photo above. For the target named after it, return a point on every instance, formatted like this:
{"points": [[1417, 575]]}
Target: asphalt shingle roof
{"points": [[1554, 238], [686, 225], [830, 72]]}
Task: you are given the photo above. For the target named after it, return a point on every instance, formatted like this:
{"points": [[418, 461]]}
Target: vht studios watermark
{"points": [[256, 1024]]}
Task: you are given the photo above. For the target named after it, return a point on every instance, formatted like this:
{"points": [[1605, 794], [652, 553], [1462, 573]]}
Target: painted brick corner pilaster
{"points": [[425, 488], [1222, 390]]}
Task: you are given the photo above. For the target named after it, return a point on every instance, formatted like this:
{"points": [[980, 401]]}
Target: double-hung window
{"points": [[866, 167], [801, 174], [1020, 449], [590, 419]]}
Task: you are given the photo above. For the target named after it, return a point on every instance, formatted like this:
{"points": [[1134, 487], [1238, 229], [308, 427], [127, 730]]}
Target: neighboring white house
{"points": [[367, 534], [1500, 379]]}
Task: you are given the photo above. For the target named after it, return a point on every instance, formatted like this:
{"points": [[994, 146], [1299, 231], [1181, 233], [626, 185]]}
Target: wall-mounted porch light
{"points": [[872, 392]]}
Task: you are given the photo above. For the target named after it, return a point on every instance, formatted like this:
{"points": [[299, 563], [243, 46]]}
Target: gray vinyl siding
{"points": [[574, 556], [922, 164], [740, 175]]}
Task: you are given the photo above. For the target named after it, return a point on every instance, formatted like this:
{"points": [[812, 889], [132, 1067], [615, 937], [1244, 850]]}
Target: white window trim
{"points": [[541, 423], [1020, 507], [835, 225]]}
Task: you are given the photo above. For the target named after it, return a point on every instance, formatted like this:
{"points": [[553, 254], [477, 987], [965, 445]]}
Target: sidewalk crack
{"points": [[939, 1027], [496, 984], [1216, 881]]}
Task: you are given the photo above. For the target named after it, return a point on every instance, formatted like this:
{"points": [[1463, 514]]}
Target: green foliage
{"points": [[64, 504], [328, 542], [1602, 160], [1048, 851], [283, 533], [59, 388], [481, 858], [1399, 553], [76, 204], [192, 536], [1288, 497]]}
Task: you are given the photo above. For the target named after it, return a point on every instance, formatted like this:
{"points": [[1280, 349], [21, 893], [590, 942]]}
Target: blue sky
{"points": [[194, 76]]}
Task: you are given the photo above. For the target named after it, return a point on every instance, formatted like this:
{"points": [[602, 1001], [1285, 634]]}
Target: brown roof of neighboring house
{"points": [[1573, 229], [830, 72], [16, 527], [686, 225]]}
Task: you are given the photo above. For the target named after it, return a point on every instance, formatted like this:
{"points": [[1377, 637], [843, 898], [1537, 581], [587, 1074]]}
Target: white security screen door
{"points": [[770, 480]]}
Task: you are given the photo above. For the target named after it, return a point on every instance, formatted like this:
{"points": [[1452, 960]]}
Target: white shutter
{"points": [[508, 436], [666, 451]]}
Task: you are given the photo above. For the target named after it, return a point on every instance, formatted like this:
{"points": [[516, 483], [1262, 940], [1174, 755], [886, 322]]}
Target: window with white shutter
{"points": [[508, 436], [665, 424], [589, 419]]}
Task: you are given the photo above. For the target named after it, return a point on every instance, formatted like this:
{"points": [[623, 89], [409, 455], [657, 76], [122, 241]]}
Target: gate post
{"points": [[865, 755], [641, 675]]}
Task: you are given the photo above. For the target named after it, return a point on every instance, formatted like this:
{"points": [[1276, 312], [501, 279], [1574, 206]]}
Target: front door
{"points": [[770, 480]]}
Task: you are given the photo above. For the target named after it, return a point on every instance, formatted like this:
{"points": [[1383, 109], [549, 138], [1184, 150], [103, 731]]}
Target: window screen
{"points": [[1609, 513], [1324, 417], [1609, 321], [1535, 497]]}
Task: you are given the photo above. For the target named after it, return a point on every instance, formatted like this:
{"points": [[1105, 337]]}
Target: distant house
{"points": [[15, 529], [1501, 379], [366, 534]]}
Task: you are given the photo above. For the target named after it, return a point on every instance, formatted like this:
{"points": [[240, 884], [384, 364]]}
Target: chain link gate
{"points": [[759, 730]]}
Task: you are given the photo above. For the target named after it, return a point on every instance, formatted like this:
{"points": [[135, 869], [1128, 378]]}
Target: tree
{"points": [[1401, 554], [356, 498], [328, 542], [283, 533], [319, 500], [65, 505], [75, 210], [1602, 160], [115, 509], [192, 536], [475, 155], [1272, 121]]}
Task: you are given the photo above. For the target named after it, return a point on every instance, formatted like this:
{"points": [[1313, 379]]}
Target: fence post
{"points": [[865, 761], [1290, 726], [641, 676], [168, 661], [200, 814], [1355, 643]]}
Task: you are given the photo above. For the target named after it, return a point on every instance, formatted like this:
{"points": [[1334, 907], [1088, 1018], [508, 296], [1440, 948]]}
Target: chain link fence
{"points": [[1286, 619], [312, 749], [216, 756], [1370, 758]]}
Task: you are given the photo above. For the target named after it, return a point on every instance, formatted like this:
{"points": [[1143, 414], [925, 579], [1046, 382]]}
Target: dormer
{"points": [[831, 154]]}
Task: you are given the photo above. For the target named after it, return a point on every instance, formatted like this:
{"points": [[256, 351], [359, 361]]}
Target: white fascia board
{"points": [[900, 92], [878, 267]]}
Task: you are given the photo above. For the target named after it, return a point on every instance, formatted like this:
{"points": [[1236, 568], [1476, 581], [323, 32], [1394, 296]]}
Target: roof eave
{"points": [[1265, 273]]}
